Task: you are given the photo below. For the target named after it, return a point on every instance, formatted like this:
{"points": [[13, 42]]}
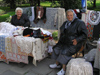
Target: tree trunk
{"points": [[31, 2], [12, 4], [38, 2], [94, 4]]}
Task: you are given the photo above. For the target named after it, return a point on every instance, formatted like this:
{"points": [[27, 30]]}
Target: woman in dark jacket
{"points": [[73, 33], [20, 19]]}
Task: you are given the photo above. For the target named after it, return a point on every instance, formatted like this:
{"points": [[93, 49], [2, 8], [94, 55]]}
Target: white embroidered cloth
{"points": [[7, 28], [79, 66], [90, 56], [97, 56], [25, 43]]}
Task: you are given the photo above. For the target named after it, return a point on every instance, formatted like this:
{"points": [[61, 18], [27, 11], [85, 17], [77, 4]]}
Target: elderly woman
{"points": [[20, 19], [73, 33]]}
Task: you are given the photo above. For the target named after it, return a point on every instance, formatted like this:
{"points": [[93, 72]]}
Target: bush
{"points": [[55, 35]]}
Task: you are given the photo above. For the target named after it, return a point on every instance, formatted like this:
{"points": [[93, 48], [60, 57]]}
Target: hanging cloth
{"points": [[40, 13], [93, 17]]}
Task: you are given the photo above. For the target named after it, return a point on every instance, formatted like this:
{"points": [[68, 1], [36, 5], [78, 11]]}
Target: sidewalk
{"points": [[42, 68]]}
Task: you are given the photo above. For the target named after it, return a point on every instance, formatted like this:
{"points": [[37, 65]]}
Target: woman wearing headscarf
{"points": [[73, 33], [20, 19]]}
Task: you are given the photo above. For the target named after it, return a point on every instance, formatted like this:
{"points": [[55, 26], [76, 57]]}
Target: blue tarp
{"points": [[83, 3]]}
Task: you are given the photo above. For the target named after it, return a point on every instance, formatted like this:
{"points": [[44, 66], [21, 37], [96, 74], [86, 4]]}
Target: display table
{"points": [[17, 49], [97, 57]]}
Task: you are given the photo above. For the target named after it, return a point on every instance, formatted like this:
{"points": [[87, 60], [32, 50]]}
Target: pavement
{"points": [[42, 68]]}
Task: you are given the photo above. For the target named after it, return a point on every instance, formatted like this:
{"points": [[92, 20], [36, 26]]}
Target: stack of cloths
{"points": [[43, 34], [97, 56], [79, 66], [90, 56], [7, 28]]}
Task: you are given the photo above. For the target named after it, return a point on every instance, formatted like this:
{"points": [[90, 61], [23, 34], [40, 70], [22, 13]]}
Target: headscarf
{"points": [[74, 17]]}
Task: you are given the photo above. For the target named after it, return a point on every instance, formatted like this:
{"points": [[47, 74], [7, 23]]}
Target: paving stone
{"points": [[54, 71], [30, 73], [4, 67], [9, 73], [42, 67], [22, 70]]}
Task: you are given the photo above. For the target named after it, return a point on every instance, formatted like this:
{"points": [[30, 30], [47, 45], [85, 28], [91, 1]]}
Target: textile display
{"points": [[33, 16], [16, 57], [51, 43], [25, 43], [2, 43], [50, 50], [19, 48], [90, 56], [7, 28], [39, 50], [19, 31], [12, 51], [97, 56], [29, 12], [40, 13], [90, 30], [52, 15], [55, 19], [93, 17], [2, 56], [8, 44], [84, 18], [79, 66]]}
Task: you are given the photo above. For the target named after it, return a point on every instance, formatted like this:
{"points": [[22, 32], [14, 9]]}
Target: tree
{"points": [[34, 2], [12, 3], [68, 4], [92, 2]]}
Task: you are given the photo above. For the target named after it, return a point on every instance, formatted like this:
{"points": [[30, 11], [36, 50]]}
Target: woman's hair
{"points": [[18, 8], [70, 10]]}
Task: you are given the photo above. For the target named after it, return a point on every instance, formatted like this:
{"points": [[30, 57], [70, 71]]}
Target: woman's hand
{"points": [[74, 42]]}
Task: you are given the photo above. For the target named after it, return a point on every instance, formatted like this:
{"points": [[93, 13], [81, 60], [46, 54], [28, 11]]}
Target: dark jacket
{"points": [[77, 30], [23, 21]]}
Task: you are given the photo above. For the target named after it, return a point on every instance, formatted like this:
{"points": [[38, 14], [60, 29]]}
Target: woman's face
{"points": [[70, 15], [19, 13]]}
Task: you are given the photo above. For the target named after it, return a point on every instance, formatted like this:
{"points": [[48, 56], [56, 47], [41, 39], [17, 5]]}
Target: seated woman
{"points": [[73, 33], [20, 19]]}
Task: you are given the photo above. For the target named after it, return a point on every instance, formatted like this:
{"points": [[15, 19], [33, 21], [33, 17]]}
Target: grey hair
{"points": [[18, 8]]}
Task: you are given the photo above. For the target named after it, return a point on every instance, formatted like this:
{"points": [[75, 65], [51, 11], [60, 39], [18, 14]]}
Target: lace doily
{"points": [[93, 17]]}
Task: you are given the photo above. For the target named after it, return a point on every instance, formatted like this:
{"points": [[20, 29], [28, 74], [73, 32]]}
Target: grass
{"points": [[5, 16], [46, 4]]}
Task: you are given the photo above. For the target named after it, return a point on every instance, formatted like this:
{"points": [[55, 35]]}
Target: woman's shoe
{"points": [[54, 66], [61, 72]]}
